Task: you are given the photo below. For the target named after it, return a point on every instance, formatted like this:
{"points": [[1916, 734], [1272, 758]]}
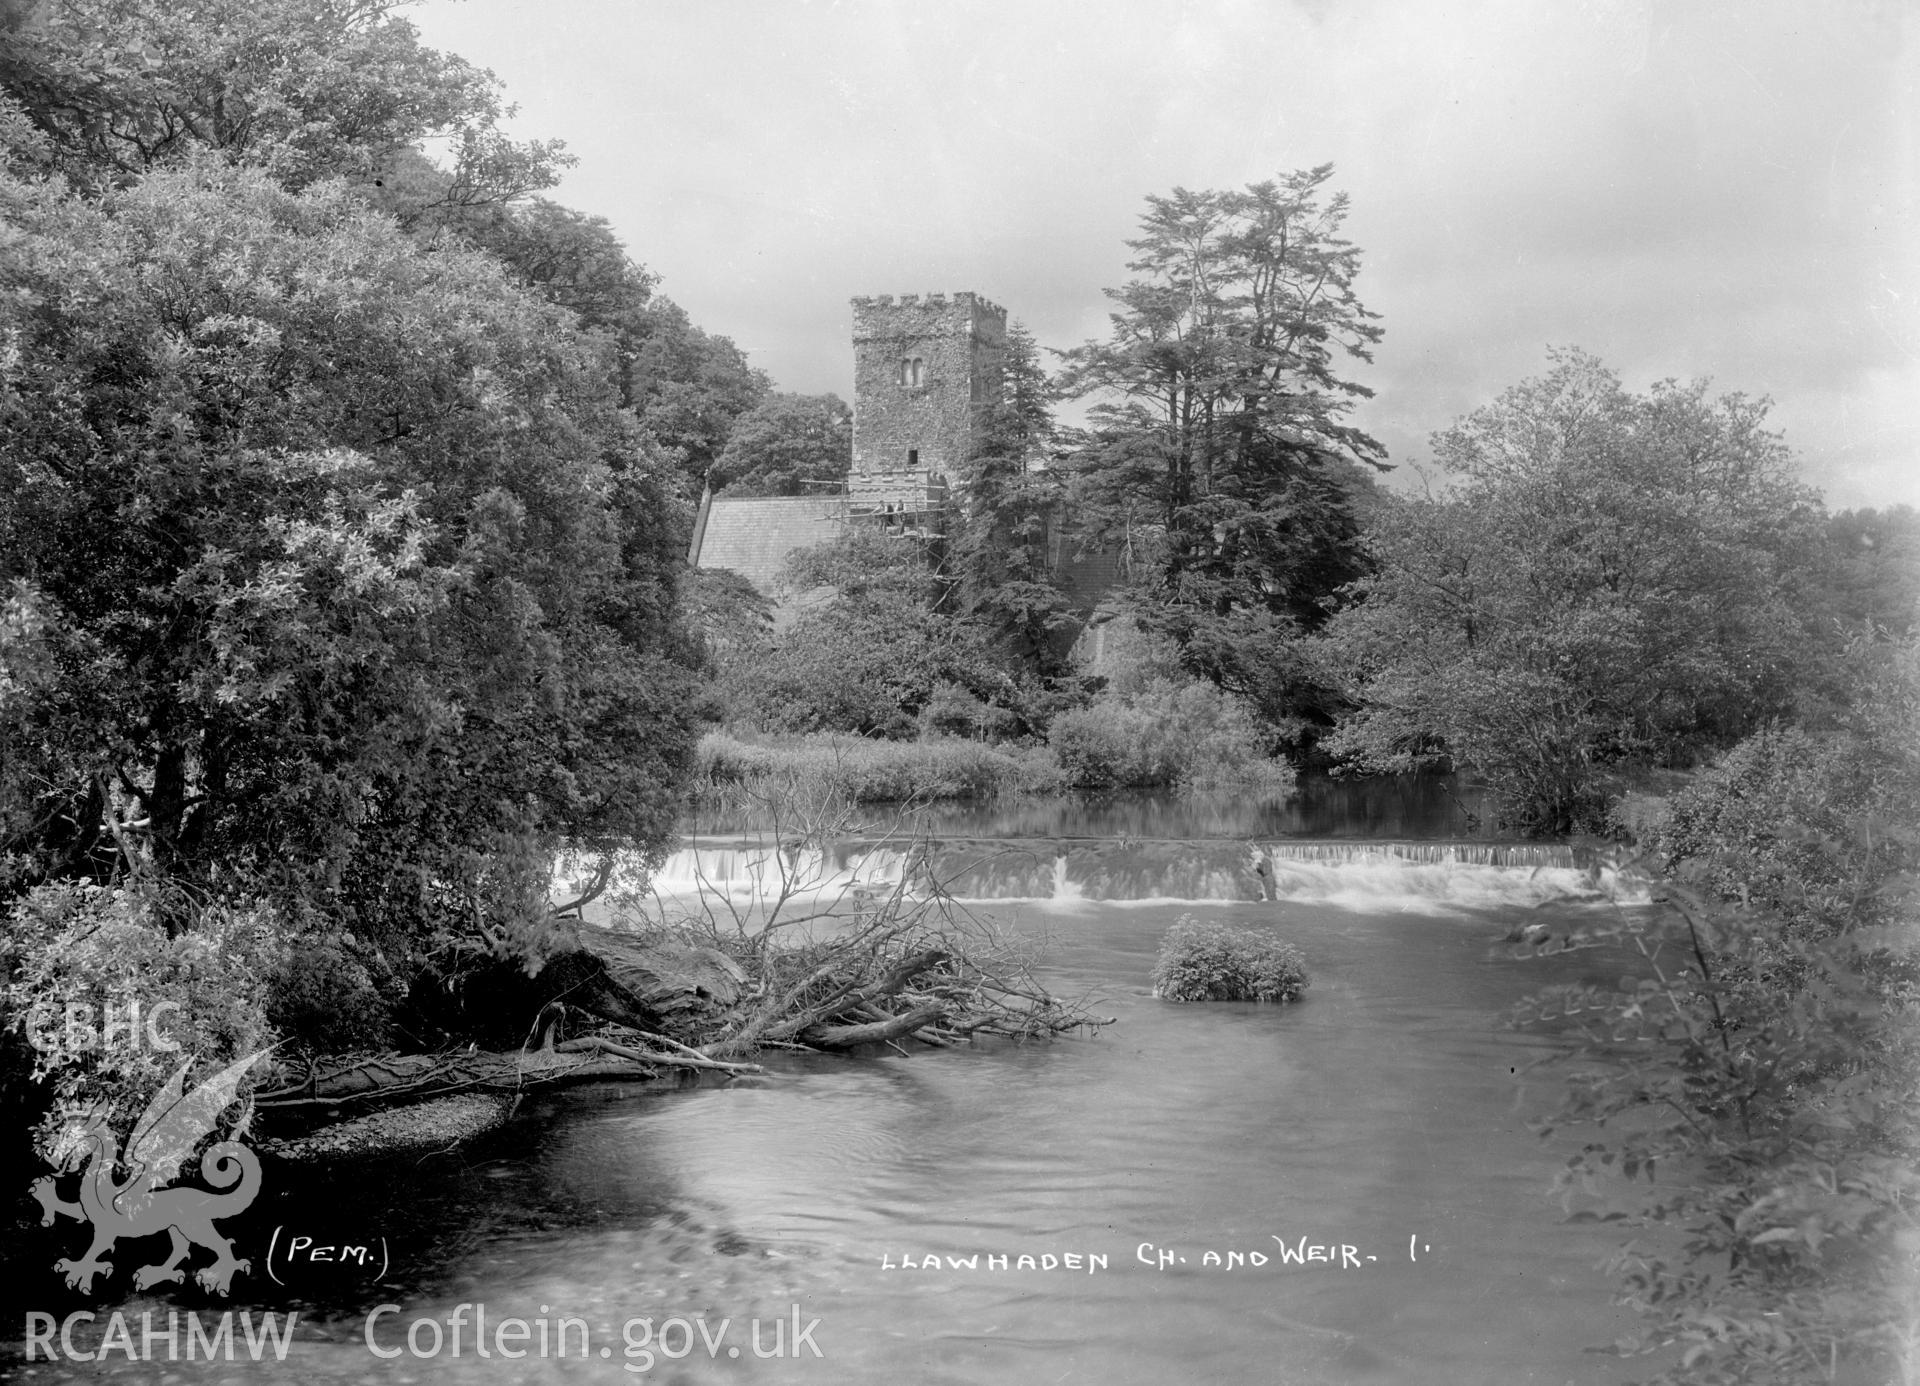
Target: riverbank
{"points": [[733, 770], [862, 770]]}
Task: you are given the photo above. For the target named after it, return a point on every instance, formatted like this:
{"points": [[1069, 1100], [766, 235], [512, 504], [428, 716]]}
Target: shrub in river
{"points": [[1205, 961]]}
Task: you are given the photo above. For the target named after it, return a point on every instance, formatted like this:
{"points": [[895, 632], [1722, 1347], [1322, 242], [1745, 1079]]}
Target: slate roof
{"points": [[754, 536]]}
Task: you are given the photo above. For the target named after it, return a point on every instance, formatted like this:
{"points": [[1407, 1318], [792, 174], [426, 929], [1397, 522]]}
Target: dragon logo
{"points": [[140, 1205]]}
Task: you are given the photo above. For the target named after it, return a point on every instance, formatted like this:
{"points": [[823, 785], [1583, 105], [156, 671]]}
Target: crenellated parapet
{"points": [[959, 298]]}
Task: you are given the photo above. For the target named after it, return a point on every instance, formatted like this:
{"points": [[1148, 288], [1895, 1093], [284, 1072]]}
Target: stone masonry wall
{"points": [[960, 342]]}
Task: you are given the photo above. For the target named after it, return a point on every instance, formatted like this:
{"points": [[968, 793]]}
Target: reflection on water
{"points": [[1381, 1114], [1381, 806]]}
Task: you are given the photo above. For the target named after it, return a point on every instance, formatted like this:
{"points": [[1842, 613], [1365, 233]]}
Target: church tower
{"points": [[923, 369]]}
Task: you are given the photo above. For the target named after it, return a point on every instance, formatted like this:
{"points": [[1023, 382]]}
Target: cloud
{"points": [[1722, 189]]}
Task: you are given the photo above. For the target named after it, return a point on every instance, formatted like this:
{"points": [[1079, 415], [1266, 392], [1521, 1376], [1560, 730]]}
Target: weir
{"points": [[1404, 875]]}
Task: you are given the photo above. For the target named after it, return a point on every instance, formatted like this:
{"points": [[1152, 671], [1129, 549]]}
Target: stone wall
{"points": [[921, 368]]}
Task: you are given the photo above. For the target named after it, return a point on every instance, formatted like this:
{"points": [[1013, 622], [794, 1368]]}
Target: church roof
{"points": [[754, 536]]}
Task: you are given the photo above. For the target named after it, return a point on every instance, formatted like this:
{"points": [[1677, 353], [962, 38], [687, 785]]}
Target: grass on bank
{"points": [[865, 771], [868, 771]]}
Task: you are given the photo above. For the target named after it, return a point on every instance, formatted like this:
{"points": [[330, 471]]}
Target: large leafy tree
{"points": [[688, 388], [787, 445], [574, 260], [101, 91], [339, 574], [309, 88], [337, 571], [1220, 455], [873, 645], [1871, 573], [1601, 578]]}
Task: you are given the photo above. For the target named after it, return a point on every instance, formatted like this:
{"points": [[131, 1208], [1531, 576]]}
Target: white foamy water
{"points": [[1450, 887], [1403, 877]]}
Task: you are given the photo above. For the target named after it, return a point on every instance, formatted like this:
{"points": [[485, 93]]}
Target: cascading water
{"points": [[1418, 876]]}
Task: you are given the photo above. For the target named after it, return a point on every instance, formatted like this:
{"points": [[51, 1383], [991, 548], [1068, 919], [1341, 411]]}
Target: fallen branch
{"points": [[854, 996], [396, 1078], [593, 1044], [875, 1032]]}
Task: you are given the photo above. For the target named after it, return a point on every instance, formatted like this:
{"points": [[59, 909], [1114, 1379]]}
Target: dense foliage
{"points": [[687, 389], [1760, 1068], [877, 649], [1870, 576], [342, 493], [787, 445], [308, 89], [1013, 530], [319, 612], [1168, 732], [873, 648], [81, 955], [1607, 579]]}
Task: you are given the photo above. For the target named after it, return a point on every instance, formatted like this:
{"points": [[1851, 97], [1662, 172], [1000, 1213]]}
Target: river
{"points": [[1340, 1190]]}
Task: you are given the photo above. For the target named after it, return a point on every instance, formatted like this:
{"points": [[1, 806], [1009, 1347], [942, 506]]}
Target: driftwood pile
{"points": [[708, 993]]}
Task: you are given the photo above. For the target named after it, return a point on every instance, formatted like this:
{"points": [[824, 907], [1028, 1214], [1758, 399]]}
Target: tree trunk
{"points": [[875, 1032], [614, 976]]}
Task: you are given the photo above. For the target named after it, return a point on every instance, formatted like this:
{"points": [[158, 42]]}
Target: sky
{"points": [[1718, 188]]}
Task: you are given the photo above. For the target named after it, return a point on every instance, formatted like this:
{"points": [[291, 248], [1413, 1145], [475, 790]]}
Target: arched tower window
{"points": [[913, 372]]}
